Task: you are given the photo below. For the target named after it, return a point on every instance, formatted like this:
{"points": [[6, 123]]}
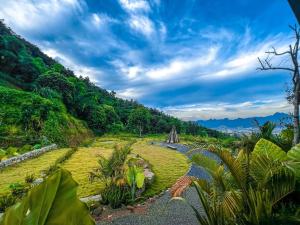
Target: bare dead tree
{"points": [[292, 54]]}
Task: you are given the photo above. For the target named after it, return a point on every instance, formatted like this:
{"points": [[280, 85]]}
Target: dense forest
{"points": [[42, 101]]}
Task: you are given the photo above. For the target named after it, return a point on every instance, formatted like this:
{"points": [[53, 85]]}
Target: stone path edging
{"points": [[27, 155]]}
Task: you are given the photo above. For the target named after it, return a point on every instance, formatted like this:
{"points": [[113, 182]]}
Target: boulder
{"points": [[97, 211]]}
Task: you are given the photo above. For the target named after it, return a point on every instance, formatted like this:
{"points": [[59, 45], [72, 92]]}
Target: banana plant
{"points": [[135, 179], [52, 202]]}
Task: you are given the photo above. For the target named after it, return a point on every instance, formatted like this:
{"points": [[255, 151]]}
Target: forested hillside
{"points": [[43, 100]]}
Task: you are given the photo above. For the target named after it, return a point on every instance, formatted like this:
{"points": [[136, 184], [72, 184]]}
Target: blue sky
{"points": [[194, 59]]}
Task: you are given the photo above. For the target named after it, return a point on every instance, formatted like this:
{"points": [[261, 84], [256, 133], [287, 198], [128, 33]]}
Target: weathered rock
{"points": [[98, 211], [93, 198], [149, 176], [37, 181], [130, 207]]}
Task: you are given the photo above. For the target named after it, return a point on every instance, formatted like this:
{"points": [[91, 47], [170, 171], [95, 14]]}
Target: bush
{"points": [[11, 151], [2, 154], [7, 201], [29, 179], [115, 195], [37, 146], [25, 148], [18, 190]]}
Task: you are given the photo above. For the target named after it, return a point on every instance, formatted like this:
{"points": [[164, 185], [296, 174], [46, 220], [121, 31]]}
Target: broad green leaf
{"points": [[140, 177], [54, 202], [130, 174], [294, 160], [269, 149]]}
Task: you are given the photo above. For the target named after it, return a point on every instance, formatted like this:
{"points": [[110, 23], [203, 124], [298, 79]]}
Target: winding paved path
{"points": [[163, 212]]}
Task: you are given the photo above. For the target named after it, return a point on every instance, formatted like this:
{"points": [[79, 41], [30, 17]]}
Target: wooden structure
{"points": [[173, 137]]}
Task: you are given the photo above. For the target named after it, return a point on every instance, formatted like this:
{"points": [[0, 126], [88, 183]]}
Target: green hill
{"points": [[41, 99]]}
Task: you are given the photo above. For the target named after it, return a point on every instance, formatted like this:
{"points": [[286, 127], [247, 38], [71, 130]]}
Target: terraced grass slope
{"points": [[18, 172], [167, 165], [82, 162]]}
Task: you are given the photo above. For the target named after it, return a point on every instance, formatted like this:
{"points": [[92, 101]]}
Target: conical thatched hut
{"points": [[173, 136]]}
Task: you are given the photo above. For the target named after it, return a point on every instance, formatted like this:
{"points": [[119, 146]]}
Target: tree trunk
{"points": [[296, 115]]}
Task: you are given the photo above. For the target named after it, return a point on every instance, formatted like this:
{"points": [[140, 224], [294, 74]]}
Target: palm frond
{"points": [[234, 166]]}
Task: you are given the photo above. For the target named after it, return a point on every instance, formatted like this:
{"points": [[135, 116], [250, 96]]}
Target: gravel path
{"points": [[163, 212]]}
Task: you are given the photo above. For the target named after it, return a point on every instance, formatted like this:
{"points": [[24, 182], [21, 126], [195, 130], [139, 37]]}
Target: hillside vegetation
{"points": [[41, 100]]}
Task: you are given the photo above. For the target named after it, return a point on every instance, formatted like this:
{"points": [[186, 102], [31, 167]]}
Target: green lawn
{"points": [[18, 172], [81, 163], [167, 165]]}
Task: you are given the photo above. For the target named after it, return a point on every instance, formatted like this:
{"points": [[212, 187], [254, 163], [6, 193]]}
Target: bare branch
{"points": [[267, 66], [276, 53], [276, 68]]}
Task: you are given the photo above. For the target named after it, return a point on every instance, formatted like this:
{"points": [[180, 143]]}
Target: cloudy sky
{"points": [[195, 59]]}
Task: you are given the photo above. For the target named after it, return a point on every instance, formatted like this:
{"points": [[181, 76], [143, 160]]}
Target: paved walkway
{"points": [[164, 212]]}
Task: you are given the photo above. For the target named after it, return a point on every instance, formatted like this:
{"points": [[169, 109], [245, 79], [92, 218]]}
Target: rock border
{"points": [[27, 155]]}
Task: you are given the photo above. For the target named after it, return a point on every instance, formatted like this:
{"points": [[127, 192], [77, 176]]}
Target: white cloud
{"points": [[94, 74], [131, 72], [135, 5], [26, 15], [139, 20], [221, 110], [142, 24], [179, 67], [245, 60], [99, 20], [130, 93]]}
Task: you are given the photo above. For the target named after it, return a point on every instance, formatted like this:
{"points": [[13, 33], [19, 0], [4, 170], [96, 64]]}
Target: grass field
{"points": [[81, 163], [168, 165], [18, 172]]}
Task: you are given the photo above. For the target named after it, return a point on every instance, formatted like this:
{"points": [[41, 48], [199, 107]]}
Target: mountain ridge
{"points": [[248, 122]]}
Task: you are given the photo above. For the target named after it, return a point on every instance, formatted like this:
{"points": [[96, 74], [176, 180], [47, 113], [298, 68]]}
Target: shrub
{"points": [[112, 172], [29, 178], [12, 151], [2, 154], [18, 190], [115, 195], [37, 146], [25, 148], [7, 201]]}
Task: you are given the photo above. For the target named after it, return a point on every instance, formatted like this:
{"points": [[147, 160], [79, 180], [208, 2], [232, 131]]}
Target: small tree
{"points": [[139, 118], [292, 54]]}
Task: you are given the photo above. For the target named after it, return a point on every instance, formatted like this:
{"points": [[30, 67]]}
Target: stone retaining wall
{"points": [[27, 155]]}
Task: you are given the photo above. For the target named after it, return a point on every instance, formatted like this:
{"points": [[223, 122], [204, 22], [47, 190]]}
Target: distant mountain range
{"points": [[244, 122]]}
